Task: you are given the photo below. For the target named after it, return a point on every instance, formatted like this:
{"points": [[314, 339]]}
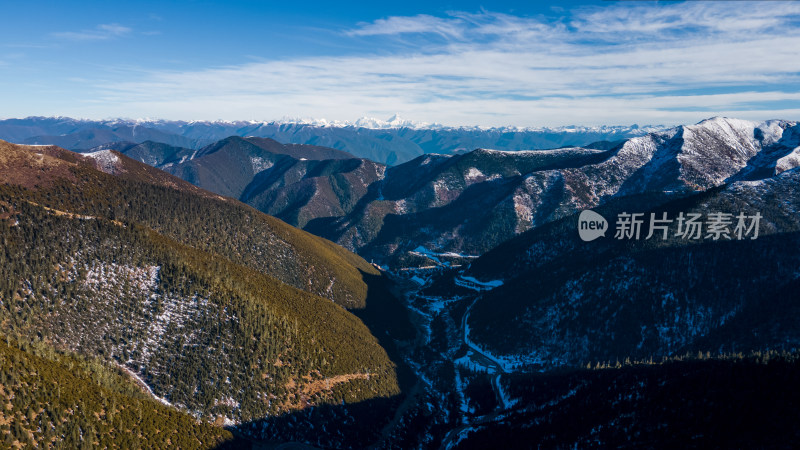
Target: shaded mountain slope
{"points": [[295, 183], [298, 151], [735, 401], [565, 301]]}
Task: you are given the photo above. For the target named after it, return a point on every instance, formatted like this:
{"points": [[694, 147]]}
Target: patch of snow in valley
{"points": [[505, 365], [434, 256], [508, 402], [477, 285], [463, 406], [471, 362], [418, 280]]}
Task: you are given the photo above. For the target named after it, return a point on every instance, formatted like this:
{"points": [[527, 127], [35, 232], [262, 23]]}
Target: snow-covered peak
{"points": [[725, 125], [393, 122], [321, 122], [362, 122]]}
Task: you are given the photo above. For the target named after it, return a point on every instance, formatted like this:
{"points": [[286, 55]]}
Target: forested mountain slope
{"points": [[565, 301], [59, 399], [212, 304]]}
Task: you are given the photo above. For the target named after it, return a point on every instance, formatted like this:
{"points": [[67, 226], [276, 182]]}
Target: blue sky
{"points": [[458, 63]]}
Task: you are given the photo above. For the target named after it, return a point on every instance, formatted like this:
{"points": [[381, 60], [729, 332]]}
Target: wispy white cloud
{"points": [[26, 45], [99, 33], [688, 17], [422, 23], [461, 27], [653, 62]]}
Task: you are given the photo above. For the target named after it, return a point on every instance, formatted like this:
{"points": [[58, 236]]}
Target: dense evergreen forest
{"points": [[210, 303], [53, 399]]}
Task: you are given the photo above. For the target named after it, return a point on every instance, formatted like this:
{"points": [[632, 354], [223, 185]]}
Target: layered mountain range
{"points": [[145, 274], [388, 142], [439, 209]]}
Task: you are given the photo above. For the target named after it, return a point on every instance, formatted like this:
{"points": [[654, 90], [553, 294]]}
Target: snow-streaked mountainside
{"points": [[612, 299], [390, 142], [469, 202]]}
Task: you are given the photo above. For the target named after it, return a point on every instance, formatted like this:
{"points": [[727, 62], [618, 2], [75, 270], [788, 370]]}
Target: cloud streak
{"points": [[422, 23], [625, 63], [99, 33]]}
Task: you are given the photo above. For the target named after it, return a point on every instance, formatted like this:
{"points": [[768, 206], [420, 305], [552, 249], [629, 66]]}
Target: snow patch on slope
{"points": [[141, 383], [474, 174], [105, 160], [788, 162], [260, 164]]}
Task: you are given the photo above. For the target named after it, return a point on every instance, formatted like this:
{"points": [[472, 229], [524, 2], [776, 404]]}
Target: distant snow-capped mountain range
{"points": [[396, 121], [373, 123]]}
